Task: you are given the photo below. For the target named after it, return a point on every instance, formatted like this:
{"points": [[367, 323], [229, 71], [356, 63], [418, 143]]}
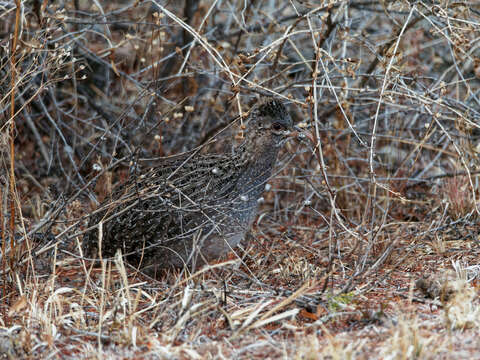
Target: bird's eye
{"points": [[277, 126]]}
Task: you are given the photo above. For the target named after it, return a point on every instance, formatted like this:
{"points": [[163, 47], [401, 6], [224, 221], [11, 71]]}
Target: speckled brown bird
{"points": [[192, 208]]}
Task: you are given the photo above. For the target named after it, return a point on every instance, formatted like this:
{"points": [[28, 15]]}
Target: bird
{"points": [[190, 209]]}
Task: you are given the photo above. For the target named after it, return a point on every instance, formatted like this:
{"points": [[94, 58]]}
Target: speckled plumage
{"points": [[195, 207]]}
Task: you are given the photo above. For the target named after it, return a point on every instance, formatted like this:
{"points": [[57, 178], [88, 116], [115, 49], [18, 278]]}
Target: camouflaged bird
{"points": [[192, 208]]}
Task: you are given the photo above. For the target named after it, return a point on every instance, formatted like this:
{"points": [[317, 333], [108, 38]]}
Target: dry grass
{"points": [[366, 245]]}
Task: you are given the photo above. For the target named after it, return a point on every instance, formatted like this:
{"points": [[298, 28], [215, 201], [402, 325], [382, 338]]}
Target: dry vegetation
{"points": [[367, 244]]}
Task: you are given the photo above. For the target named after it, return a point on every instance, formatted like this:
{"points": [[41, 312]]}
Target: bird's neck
{"points": [[258, 158]]}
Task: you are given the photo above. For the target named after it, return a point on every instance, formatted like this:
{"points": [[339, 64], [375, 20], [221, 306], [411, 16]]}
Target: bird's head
{"points": [[270, 118]]}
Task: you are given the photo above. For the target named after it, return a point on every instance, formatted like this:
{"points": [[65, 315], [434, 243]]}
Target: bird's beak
{"points": [[300, 134]]}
